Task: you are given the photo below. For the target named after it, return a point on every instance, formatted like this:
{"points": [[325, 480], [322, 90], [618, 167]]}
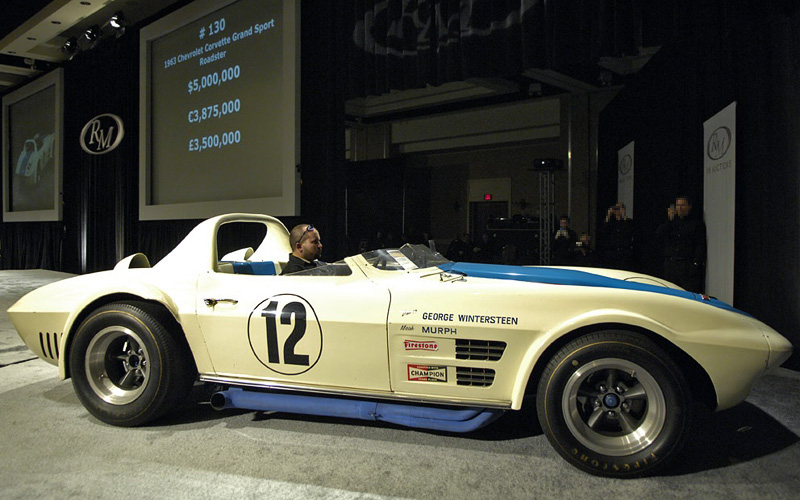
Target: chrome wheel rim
{"points": [[117, 365], [614, 407]]}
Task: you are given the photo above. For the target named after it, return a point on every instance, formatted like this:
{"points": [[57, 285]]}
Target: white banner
{"points": [[625, 178], [719, 201]]}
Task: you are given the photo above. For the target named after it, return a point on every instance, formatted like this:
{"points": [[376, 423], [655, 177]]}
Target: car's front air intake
{"points": [[479, 350], [478, 377], [49, 344]]}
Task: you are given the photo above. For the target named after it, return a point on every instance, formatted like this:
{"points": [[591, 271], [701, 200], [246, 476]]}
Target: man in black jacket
{"points": [[683, 240], [616, 239], [306, 249], [563, 243]]}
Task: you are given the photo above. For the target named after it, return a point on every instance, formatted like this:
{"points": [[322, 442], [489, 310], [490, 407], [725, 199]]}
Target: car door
{"points": [[326, 331]]}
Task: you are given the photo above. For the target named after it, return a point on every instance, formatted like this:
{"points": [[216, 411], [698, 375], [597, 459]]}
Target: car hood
{"points": [[605, 278]]}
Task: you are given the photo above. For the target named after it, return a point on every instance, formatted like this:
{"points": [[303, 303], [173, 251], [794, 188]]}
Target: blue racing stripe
{"points": [[572, 277]]}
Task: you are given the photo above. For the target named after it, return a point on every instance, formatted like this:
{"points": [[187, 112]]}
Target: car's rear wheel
{"points": [[613, 404], [127, 368]]}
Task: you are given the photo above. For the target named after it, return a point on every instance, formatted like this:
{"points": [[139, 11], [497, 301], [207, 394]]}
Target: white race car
{"points": [[617, 361], [34, 156]]}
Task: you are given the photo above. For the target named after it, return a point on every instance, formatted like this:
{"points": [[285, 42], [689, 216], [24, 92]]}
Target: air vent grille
{"points": [[477, 377], [479, 350], [49, 344]]}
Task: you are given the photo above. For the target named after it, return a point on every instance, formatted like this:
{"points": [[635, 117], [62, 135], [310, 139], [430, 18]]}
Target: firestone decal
{"points": [[427, 373], [414, 345]]}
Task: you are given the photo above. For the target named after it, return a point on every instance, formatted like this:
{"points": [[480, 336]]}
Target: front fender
{"points": [[731, 348], [588, 319]]}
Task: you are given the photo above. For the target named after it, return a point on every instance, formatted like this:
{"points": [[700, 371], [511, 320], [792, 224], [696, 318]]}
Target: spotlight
{"points": [[117, 21], [70, 47], [92, 34]]}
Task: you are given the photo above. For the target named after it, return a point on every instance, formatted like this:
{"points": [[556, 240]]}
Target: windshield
{"points": [[406, 258]]}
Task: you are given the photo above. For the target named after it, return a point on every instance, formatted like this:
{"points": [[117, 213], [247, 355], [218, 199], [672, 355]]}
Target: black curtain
{"points": [[322, 150], [31, 245], [746, 53], [101, 191]]}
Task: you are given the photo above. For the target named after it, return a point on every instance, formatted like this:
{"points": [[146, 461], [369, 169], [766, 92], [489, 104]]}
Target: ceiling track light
{"points": [[70, 47], [88, 39], [117, 21], [92, 34]]}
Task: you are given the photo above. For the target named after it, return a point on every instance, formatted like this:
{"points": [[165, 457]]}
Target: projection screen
{"points": [[219, 110]]}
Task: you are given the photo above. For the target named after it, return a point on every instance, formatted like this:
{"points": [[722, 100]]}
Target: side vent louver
{"points": [[49, 344], [479, 350], [478, 377]]}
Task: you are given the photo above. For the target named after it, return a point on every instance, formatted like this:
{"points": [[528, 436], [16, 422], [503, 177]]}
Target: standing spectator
{"points": [[469, 247], [482, 251], [563, 242], [457, 250], [617, 239], [584, 255], [683, 242]]}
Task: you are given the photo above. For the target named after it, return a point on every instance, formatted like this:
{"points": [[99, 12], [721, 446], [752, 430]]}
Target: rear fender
{"points": [[123, 290]]}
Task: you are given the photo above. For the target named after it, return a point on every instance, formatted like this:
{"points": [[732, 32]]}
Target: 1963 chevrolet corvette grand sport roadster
{"points": [[618, 362]]}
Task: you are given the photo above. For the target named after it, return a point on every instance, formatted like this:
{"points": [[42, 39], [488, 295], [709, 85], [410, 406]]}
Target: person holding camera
{"points": [[683, 242], [563, 243], [584, 256], [617, 239]]}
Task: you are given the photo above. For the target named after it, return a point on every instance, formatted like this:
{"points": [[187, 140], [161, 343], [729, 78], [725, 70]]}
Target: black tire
{"points": [[127, 368], [614, 404]]}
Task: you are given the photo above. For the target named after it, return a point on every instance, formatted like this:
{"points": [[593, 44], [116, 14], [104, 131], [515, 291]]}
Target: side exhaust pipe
{"points": [[458, 419]]}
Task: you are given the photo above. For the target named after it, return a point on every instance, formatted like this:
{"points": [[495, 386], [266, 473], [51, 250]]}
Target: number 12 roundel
{"points": [[285, 334]]}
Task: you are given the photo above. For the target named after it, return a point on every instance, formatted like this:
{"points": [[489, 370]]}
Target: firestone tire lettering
{"points": [[614, 404]]}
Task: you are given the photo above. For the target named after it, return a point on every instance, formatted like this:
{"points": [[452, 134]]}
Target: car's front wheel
{"points": [[614, 404], [127, 368]]}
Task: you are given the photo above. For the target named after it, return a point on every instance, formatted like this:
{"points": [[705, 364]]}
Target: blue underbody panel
{"points": [[457, 419]]}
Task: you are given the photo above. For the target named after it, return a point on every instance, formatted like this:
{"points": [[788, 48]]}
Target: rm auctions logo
{"points": [[718, 143], [102, 134], [413, 345], [625, 164], [426, 373]]}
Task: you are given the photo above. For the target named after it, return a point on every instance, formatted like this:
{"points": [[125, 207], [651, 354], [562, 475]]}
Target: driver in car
{"points": [[306, 249]]}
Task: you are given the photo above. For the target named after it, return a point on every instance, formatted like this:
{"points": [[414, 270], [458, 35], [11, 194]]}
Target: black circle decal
{"points": [[285, 334]]}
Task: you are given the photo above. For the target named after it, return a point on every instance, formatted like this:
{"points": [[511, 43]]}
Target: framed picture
{"points": [[32, 150]]}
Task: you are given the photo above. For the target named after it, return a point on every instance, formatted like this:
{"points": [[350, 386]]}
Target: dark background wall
{"points": [[751, 56]]}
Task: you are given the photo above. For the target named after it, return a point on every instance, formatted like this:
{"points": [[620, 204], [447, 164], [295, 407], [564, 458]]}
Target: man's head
{"points": [[682, 206], [306, 242], [563, 222]]}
